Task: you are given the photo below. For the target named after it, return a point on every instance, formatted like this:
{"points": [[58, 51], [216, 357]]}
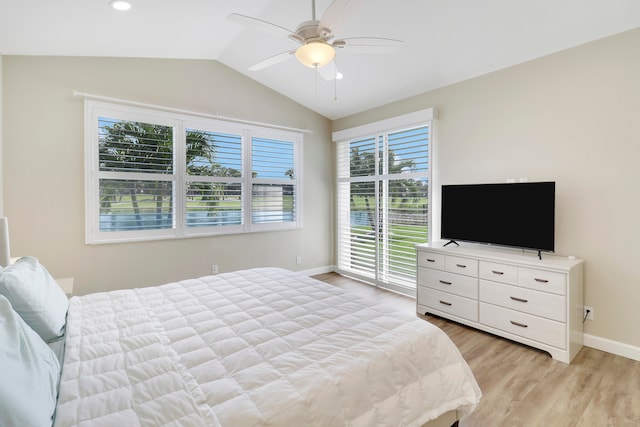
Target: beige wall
{"points": [[571, 117], [1, 150], [44, 164]]}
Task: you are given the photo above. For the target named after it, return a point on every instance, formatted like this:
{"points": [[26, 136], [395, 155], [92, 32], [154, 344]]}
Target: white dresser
{"points": [[505, 292]]}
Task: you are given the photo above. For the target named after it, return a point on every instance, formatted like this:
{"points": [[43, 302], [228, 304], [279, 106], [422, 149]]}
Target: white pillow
{"points": [[35, 296], [29, 373]]}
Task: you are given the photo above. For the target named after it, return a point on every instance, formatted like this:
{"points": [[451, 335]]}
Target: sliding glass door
{"points": [[383, 183]]}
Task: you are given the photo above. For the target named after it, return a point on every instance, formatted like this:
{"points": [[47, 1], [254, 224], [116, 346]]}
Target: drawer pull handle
{"points": [[519, 299], [445, 303], [499, 273], [522, 325], [444, 282], [461, 265], [541, 280], [431, 260]]}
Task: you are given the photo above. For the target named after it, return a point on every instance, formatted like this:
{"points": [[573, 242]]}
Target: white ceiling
{"points": [[445, 41]]}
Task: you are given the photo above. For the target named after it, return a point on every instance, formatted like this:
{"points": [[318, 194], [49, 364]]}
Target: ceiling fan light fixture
{"points": [[120, 5], [315, 54]]}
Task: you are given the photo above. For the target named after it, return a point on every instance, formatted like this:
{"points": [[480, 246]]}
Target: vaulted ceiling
{"points": [[444, 41]]}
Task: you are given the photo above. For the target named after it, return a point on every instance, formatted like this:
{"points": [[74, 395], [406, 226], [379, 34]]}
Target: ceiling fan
{"points": [[317, 38]]}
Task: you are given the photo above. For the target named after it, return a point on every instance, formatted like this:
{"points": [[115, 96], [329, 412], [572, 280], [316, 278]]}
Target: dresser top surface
{"points": [[507, 255]]}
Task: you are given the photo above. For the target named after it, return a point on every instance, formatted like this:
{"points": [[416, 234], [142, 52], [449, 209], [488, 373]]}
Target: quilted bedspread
{"points": [[261, 347]]}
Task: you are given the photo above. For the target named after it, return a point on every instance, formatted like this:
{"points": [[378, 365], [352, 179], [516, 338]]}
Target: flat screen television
{"points": [[520, 215]]}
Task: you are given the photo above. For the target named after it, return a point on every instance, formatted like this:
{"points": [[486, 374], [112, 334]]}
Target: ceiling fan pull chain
{"points": [[335, 80], [316, 68]]}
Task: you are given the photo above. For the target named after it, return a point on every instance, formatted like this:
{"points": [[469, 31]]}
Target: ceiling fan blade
{"points": [[272, 60], [368, 44], [335, 15], [261, 25], [329, 71]]}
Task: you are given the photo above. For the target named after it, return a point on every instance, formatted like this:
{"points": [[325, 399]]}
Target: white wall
{"points": [[572, 118], [44, 167]]}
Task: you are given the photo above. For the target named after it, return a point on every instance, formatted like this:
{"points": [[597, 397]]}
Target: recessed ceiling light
{"points": [[120, 4], [339, 76]]}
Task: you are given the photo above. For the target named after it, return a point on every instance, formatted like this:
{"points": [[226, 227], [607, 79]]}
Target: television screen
{"points": [[519, 214]]}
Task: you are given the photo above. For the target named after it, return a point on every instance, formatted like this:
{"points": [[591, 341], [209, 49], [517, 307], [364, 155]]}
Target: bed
{"points": [[259, 347]]}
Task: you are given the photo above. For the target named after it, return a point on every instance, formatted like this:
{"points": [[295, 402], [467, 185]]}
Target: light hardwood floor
{"points": [[523, 386]]}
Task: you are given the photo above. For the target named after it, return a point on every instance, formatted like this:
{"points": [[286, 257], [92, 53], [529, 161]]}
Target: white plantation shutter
{"points": [[357, 206], [128, 146], [274, 181], [135, 175], [214, 186], [404, 198], [383, 189]]}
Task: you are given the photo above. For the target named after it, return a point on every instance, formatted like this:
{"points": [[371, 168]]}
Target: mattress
{"points": [[254, 348]]}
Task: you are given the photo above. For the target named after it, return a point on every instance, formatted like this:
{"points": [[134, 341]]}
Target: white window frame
{"points": [[180, 122]]}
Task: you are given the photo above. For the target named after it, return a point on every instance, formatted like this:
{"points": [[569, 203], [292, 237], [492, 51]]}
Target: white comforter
{"points": [[262, 347]]}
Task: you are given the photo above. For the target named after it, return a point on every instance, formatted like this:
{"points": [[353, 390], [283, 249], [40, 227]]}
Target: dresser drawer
{"points": [[431, 260], [543, 304], [448, 303], [459, 265], [448, 282], [542, 280], [496, 272], [525, 325]]}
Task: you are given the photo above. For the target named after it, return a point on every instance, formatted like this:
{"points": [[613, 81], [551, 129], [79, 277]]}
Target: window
{"points": [[383, 193], [273, 190], [154, 174]]}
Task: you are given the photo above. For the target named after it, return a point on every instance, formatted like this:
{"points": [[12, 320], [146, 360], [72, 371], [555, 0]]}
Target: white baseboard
{"points": [[318, 270], [614, 347]]}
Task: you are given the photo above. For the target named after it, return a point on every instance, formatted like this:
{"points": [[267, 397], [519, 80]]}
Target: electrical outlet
{"points": [[214, 269], [298, 259], [588, 313]]}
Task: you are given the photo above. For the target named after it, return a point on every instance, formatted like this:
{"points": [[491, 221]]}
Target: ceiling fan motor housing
{"points": [[309, 30]]}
